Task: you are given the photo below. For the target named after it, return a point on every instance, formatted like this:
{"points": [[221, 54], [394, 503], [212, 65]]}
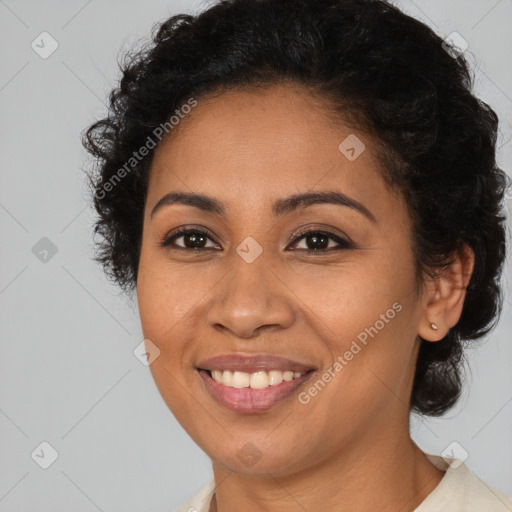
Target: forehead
{"points": [[249, 146]]}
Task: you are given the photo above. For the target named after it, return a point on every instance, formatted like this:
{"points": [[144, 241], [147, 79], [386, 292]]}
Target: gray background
{"points": [[68, 373]]}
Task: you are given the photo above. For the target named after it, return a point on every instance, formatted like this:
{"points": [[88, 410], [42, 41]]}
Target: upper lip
{"points": [[252, 363]]}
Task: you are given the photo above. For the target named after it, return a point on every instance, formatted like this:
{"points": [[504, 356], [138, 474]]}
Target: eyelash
{"points": [[167, 242]]}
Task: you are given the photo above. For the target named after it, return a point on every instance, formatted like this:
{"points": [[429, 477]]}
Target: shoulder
{"points": [[460, 490], [200, 502]]}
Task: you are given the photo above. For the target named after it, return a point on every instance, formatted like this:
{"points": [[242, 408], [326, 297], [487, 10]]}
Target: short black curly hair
{"points": [[386, 72]]}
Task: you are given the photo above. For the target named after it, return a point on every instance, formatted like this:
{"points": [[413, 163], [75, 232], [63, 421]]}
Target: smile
{"points": [[257, 380], [252, 384]]}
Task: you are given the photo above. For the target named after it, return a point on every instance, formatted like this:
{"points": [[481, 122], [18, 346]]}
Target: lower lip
{"points": [[248, 400]]}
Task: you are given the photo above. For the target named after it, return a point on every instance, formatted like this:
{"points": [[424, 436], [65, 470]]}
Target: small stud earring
{"points": [[434, 326]]}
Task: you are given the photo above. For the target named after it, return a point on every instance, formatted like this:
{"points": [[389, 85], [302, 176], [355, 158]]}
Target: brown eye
{"points": [[194, 239], [321, 241]]}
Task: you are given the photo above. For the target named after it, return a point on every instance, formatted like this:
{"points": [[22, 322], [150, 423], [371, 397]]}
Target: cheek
{"points": [[366, 318], [165, 302], [168, 294], [349, 298]]}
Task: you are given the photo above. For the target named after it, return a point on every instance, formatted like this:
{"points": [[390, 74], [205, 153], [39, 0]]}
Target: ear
{"points": [[443, 297]]}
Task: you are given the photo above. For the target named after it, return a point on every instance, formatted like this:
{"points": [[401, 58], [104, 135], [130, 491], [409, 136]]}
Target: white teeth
{"points": [[288, 376], [257, 380], [275, 377], [241, 380], [226, 378]]}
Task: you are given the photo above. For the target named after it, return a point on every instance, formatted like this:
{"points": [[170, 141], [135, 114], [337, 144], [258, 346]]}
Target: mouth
{"points": [[252, 384], [257, 380]]}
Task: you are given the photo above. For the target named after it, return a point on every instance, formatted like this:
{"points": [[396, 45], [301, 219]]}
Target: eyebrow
{"points": [[279, 208]]}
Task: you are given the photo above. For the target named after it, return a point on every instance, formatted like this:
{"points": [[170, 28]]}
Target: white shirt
{"points": [[458, 491]]}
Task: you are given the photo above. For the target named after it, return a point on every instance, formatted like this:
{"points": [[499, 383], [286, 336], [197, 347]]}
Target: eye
{"points": [[191, 239], [195, 239], [321, 241]]}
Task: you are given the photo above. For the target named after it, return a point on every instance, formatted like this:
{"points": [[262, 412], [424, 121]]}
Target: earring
{"points": [[434, 326]]}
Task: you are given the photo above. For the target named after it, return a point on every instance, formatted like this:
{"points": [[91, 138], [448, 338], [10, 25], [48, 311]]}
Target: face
{"points": [[325, 282]]}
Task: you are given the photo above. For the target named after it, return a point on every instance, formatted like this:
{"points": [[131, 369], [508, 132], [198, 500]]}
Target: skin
{"points": [[350, 444]]}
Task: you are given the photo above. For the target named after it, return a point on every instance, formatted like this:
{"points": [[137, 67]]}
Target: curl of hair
{"points": [[375, 67]]}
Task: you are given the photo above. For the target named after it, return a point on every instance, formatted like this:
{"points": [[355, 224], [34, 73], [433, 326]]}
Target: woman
{"points": [[304, 195]]}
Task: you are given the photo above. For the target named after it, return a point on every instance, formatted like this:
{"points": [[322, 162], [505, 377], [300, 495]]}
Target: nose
{"points": [[252, 298]]}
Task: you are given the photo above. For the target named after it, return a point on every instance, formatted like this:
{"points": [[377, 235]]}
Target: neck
{"points": [[392, 475]]}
